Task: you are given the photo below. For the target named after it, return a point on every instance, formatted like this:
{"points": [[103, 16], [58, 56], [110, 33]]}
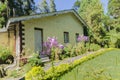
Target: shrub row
{"points": [[37, 73]]}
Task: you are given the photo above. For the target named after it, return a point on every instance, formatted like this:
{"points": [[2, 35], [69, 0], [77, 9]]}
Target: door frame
{"points": [[41, 35]]}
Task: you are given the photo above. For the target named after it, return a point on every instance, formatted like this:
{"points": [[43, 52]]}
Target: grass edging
{"points": [[53, 73]]}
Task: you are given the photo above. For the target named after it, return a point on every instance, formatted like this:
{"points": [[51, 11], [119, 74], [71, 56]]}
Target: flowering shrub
{"points": [[82, 38], [52, 46], [80, 47], [37, 73]]}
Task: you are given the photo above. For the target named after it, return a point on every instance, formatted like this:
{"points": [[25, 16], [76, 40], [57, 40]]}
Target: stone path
{"points": [[68, 60]]}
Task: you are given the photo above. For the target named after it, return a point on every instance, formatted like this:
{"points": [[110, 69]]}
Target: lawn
{"points": [[103, 67]]}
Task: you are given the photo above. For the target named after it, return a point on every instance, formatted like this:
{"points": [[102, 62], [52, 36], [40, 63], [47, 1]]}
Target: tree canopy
{"points": [[92, 12], [2, 12]]}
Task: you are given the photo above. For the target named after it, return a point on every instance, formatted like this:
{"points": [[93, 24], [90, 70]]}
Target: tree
{"points": [[43, 6], [52, 6], [2, 13], [20, 7], [10, 8], [76, 5], [29, 6], [114, 13], [92, 12]]}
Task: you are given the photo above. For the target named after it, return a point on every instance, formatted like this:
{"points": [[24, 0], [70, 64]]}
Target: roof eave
{"points": [[23, 18]]}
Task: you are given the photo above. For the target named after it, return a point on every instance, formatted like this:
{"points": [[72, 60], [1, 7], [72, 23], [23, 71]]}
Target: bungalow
{"points": [[29, 32]]}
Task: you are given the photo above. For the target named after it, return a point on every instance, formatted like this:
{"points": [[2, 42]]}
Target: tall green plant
{"points": [[92, 12]]}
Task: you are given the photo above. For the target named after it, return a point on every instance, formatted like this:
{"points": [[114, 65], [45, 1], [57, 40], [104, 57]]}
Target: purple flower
{"points": [[61, 46], [86, 38], [82, 38], [49, 44], [53, 41]]}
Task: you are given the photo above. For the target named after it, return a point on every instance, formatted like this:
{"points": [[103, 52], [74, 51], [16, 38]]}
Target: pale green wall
{"points": [[7, 42], [53, 26]]}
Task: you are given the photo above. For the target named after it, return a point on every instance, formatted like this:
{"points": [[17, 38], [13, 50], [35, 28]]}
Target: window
{"points": [[76, 36], [66, 37]]}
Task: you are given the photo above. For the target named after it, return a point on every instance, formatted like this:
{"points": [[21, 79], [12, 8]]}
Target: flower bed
{"points": [[54, 72]]}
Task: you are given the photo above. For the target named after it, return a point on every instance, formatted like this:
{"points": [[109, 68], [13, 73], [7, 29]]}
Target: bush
{"points": [[5, 56], [37, 73], [94, 47], [67, 51], [35, 60], [71, 51], [54, 72]]}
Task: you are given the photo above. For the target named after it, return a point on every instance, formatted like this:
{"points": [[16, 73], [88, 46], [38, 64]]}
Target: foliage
{"points": [[12, 8], [52, 48], [2, 13], [76, 5], [114, 13], [113, 38], [39, 74], [35, 60], [114, 8], [93, 47], [43, 6], [92, 12], [5, 55], [20, 7], [67, 51], [58, 71], [52, 6], [79, 48]]}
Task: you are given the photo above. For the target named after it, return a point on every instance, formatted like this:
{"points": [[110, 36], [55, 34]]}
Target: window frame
{"points": [[66, 37], [76, 37]]}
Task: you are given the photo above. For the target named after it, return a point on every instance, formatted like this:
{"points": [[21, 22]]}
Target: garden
{"points": [[96, 55], [94, 63], [98, 68]]}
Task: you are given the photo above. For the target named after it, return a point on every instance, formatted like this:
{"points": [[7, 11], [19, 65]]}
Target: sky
{"points": [[67, 4]]}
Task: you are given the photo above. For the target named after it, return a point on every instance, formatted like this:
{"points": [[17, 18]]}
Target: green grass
{"points": [[103, 67]]}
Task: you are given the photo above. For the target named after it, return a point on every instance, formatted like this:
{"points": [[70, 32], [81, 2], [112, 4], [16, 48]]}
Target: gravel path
{"points": [[68, 60]]}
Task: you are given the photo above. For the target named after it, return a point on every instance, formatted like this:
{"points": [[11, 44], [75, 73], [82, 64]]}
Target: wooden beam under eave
{"points": [[20, 35]]}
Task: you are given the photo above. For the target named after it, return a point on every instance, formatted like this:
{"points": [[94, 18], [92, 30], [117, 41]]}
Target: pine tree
{"points": [[10, 8], [52, 6], [92, 12], [20, 7], [114, 12], [29, 6], [43, 6]]}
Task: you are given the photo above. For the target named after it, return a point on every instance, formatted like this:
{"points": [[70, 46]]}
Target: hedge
{"points": [[55, 72]]}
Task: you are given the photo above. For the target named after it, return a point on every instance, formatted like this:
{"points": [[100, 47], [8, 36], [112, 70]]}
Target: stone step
{"points": [[45, 59]]}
